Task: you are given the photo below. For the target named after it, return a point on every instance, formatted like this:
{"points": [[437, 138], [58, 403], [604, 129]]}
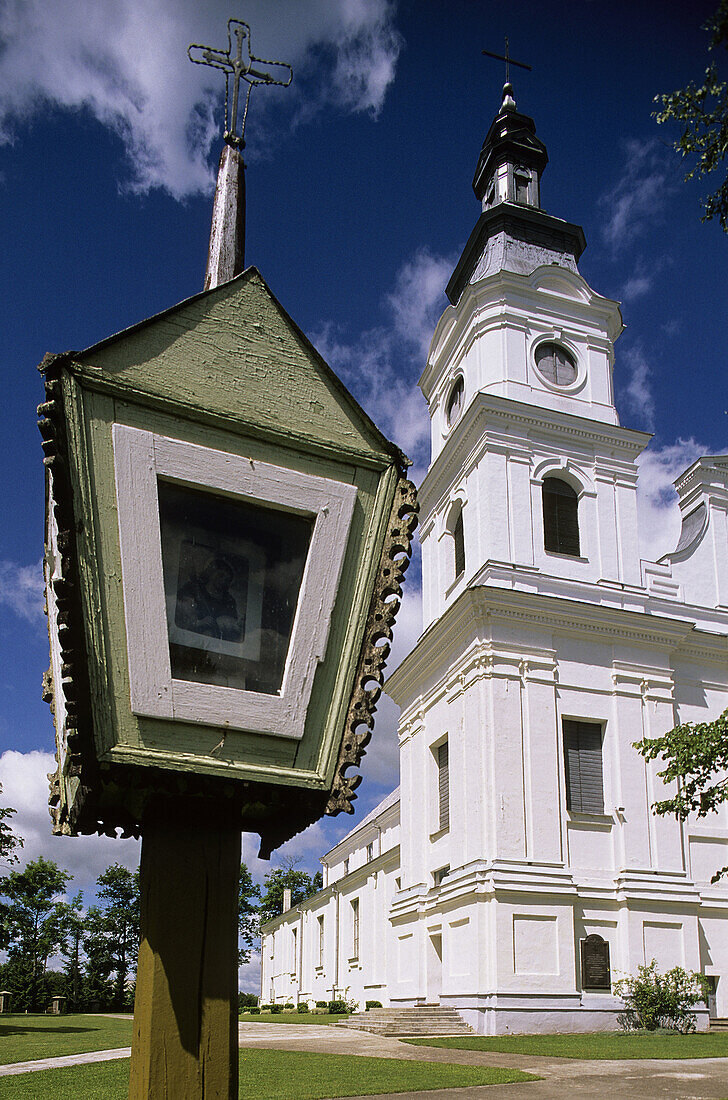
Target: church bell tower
{"points": [[518, 383]]}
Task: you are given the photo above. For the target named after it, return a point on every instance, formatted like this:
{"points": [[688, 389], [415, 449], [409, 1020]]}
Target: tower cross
{"points": [[508, 60], [238, 62]]}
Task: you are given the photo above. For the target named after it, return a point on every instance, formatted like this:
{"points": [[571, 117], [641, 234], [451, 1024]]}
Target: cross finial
{"points": [[508, 60], [237, 62]]}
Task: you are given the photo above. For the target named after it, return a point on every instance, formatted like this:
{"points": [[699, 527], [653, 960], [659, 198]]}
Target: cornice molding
{"points": [[483, 428], [476, 606]]}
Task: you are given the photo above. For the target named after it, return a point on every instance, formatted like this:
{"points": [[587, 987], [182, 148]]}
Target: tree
{"points": [[248, 917], [97, 988], [35, 927], [72, 928], [704, 112], [112, 930], [696, 756], [9, 843], [300, 883]]}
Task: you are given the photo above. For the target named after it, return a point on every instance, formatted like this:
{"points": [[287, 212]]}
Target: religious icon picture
{"points": [[232, 576], [210, 597]]}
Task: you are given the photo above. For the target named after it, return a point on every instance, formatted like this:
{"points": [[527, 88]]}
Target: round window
{"points": [[455, 401], [556, 364]]}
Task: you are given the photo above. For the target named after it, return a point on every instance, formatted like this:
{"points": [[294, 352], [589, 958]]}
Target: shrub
{"points": [[254, 1010], [653, 1000], [302, 1007], [337, 1006], [374, 1004], [265, 1008], [276, 1009], [322, 1004], [289, 1006], [246, 1000]]}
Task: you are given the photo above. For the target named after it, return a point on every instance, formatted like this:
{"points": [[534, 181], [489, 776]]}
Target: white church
{"points": [[518, 870]]}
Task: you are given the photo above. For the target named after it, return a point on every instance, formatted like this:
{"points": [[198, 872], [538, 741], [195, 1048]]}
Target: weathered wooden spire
{"points": [[226, 256]]}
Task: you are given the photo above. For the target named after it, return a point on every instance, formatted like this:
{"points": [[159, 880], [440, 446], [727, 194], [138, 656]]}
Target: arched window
{"points": [[458, 536], [560, 517]]}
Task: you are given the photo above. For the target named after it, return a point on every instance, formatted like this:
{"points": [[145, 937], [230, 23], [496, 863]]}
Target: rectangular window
{"points": [[439, 874], [294, 952], [355, 928], [321, 942], [346, 866], [583, 759], [443, 786], [370, 851]]}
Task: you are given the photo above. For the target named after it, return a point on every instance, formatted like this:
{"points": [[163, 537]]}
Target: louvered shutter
{"points": [[560, 517], [584, 777], [443, 781]]}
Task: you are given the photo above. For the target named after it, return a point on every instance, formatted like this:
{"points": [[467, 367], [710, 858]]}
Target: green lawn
{"points": [[271, 1075], [599, 1044], [293, 1017], [24, 1038]]}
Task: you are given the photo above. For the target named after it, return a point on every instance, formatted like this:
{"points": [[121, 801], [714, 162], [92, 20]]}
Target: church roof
{"points": [[387, 802]]}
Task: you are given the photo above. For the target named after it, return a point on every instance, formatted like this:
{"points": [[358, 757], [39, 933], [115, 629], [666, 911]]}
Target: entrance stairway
{"points": [[719, 1024], [416, 1020]]}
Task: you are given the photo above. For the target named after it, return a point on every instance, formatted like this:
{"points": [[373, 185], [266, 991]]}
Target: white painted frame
{"points": [[140, 458]]}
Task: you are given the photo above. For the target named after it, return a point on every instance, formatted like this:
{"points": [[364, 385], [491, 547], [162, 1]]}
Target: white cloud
{"points": [[642, 279], [636, 396], [659, 515], [249, 975], [21, 589], [24, 779], [639, 196], [125, 61], [381, 366]]}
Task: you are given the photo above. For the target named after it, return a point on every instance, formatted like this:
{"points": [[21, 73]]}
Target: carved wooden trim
{"points": [[369, 677], [77, 738]]}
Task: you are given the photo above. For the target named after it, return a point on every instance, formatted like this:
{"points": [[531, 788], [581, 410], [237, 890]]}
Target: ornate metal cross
{"points": [[508, 60], [238, 64]]}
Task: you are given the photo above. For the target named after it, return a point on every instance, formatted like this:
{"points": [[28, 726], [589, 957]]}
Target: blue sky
{"points": [[359, 202]]}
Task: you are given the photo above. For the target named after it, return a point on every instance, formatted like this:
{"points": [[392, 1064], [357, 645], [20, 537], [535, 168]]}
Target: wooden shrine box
{"points": [[226, 535]]}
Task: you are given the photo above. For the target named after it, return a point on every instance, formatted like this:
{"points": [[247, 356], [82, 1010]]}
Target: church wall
{"points": [[713, 944], [343, 972]]}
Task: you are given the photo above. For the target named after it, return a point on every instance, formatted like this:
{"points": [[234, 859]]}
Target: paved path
{"points": [[67, 1060], [665, 1079]]}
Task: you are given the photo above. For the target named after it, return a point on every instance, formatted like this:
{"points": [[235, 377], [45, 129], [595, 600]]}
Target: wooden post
{"points": [[185, 1041]]}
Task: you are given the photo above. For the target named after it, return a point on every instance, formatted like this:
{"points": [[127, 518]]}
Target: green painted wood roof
{"points": [[215, 351]]}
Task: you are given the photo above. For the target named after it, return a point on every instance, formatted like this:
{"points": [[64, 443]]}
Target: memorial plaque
{"points": [[595, 971]]}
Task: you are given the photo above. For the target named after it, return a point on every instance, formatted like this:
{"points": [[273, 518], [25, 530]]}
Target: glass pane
{"points": [[232, 576], [455, 402], [565, 368], [556, 364], [546, 363]]}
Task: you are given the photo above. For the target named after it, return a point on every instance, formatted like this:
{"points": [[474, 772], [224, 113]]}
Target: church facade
{"points": [[518, 871]]}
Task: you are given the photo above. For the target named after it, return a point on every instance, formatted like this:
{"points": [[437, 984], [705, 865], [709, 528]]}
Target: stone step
{"points": [[719, 1024], [409, 1020]]}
